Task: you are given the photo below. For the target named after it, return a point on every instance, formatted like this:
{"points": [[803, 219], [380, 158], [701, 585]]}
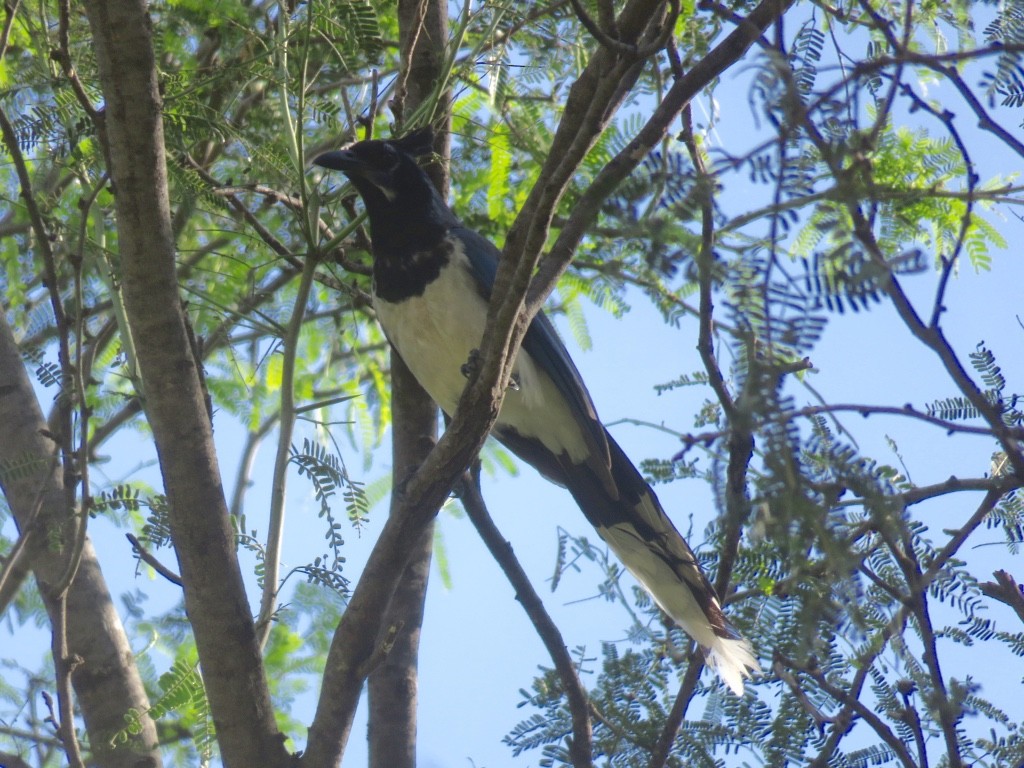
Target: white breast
{"points": [[435, 332]]}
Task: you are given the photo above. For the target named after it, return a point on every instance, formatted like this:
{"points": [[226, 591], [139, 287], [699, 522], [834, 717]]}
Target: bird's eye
{"points": [[382, 156], [391, 157]]}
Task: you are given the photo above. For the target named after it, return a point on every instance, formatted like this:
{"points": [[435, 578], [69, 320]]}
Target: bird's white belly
{"points": [[435, 332]]}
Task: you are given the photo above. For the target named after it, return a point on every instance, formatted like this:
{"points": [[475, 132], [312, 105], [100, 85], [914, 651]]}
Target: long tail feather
{"points": [[640, 533]]}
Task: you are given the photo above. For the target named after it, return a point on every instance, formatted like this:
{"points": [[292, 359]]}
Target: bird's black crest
{"points": [[418, 143]]}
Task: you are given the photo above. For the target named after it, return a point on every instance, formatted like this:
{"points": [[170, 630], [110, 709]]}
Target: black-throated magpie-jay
{"points": [[432, 281]]}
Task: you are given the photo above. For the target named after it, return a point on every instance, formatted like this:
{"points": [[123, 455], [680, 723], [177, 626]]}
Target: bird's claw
{"points": [[472, 366]]}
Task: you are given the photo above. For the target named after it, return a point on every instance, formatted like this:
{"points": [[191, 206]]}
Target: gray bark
{"points": [[215, 599], [106, 681]]}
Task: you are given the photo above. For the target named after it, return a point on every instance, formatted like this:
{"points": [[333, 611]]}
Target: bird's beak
{"points": [[362, 174], [341, 160]]}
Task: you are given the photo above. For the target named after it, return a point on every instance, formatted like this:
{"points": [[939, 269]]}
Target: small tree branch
{"points": [[958, 539], [674, 721], [5, 34], [850, 699], [946, 711], [63, 57], [580, 746], [64, 665], [84, 622], [279, 483], [149, 559], [906, 410], [711, 66], [1006, 590]]}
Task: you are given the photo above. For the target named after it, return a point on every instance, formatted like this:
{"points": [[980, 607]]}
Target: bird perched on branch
{"points": [[432, 280]]}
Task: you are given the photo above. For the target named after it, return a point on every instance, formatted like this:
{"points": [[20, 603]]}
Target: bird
{"points": [[431, 284]]}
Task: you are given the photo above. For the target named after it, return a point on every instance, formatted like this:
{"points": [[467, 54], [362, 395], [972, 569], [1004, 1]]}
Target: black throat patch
{"points": [[398, 276]]}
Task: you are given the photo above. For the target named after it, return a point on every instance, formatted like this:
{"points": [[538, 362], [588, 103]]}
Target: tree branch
{"points": [[149, 559], [279, 482], [393, 686], [580, 746], [711, 66], [850, 700], [203, 538], [1006, 590], [106, 682], [674, 721]]}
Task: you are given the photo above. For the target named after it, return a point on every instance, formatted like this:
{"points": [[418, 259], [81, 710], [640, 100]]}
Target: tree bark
{"points": [[215, 599], [423, 31], [393, 684], [106, 680]]}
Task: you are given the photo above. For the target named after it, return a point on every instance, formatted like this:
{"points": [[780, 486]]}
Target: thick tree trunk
{"points": [[423, 31], [215, 597], [106, 680], [393, 685]]}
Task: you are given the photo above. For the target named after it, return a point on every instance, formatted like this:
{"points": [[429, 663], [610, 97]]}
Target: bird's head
{"points": [[394, 188], [381, 167]]}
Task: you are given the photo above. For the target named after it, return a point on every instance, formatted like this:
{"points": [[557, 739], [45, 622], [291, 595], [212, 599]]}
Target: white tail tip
{"points": [[733, 660]]}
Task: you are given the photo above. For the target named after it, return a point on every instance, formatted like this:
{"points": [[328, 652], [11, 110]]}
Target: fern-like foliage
{"points": [[777, 321], [684, 380], [983, 360], [182, 695], [1008, 514], [59, 126], [24, 466], [652, 204], [631, 695], [804, 55], [959, 408], [845, 277], [1007, 82], [327, 474], [120, 497], [157, 529]]}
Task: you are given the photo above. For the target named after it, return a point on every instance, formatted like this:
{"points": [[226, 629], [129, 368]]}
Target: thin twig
{"points": [[64, 667], [962, 534], [851, 700], [901, 547], [687, 689], [147, 557], [906, 410], [63, 56], [286, 421], [5, 36], [581, 746], [1006, 590]]}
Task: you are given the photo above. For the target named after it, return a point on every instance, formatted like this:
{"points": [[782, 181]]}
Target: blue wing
{"points": [[541, 342]]}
